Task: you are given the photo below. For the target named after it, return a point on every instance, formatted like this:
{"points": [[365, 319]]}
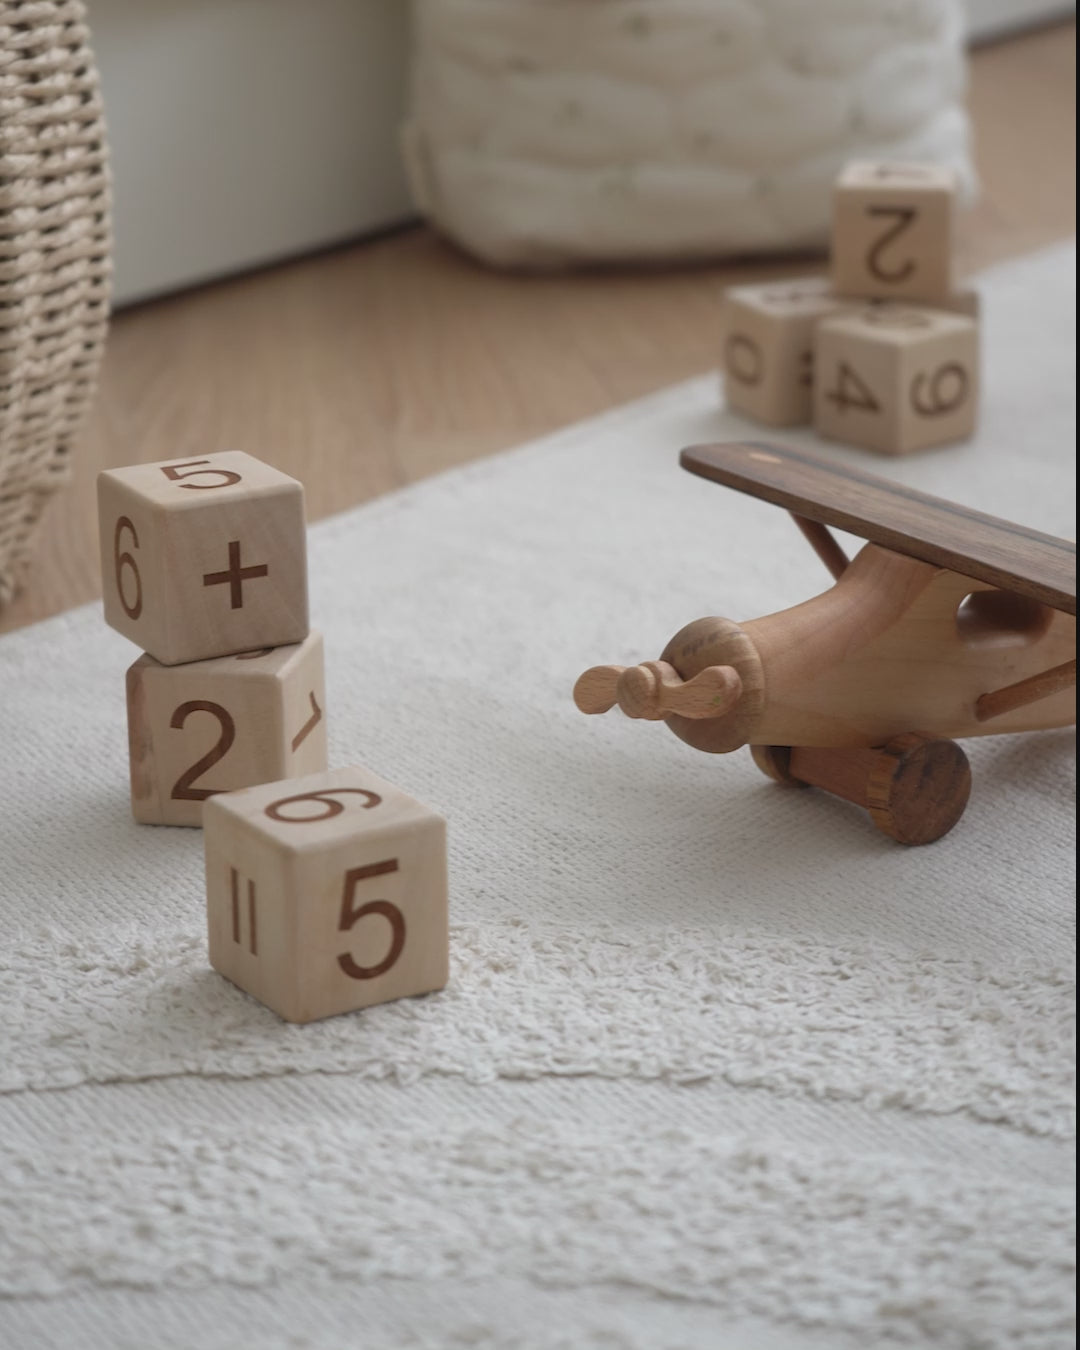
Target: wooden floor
{"points": [[370, 367]]}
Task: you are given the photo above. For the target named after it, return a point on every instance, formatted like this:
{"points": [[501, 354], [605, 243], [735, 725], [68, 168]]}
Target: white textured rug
{"points": [[719, 1066]]}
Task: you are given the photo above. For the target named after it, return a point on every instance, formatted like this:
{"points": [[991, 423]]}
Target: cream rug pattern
{"points": [[718, 1065]]}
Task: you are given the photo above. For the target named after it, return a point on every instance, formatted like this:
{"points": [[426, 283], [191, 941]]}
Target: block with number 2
{"points": [[213, 726], [895, 379], [203, 557], [326, 893], [893, 231]]}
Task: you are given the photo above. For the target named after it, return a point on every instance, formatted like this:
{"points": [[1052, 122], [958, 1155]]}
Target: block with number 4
{"points": [[893, 231], [203, 557], [327, 893], [213, 726], [896, 379], [768, 348]]}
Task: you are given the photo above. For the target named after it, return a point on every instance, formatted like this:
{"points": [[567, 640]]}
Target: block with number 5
{"points": [[896, 379], [203, 557], [327, 893], [213, 726]]}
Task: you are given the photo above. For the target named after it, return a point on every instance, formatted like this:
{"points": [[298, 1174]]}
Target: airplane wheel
{"points": [[774, 761], [917, 788], [914, 787]]}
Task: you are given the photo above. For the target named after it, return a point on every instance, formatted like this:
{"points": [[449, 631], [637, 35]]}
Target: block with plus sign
{"points": [[207, 727], [326, 893], [203, 557]]}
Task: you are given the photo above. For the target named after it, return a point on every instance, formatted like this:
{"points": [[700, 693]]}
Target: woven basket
{"points": [[54, 257]]}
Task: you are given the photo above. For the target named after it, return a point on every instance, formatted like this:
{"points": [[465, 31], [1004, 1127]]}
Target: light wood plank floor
{"points": [[372, 366]]}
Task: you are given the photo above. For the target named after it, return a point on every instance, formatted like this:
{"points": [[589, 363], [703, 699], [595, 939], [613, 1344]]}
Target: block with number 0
{"points": [[326, 893], [203, 557], [768, 348], [895, 379], [893, 231], [213, 726]]}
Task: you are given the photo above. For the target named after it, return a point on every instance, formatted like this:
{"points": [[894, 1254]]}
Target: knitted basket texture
{"points": [[547, 133], [54, 258]]}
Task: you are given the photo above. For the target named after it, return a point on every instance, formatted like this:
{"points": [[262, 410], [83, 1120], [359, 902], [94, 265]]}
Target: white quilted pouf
{"points": [[719, 1067], [546, 132]]}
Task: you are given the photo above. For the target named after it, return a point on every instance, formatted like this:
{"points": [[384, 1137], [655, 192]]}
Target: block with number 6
{"points": [[327, 893], [213, 726], [203, 557], [896, 379]]}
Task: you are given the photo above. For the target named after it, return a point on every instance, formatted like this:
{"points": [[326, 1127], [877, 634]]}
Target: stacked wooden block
{"points": [[883, 355], [326, 890]]}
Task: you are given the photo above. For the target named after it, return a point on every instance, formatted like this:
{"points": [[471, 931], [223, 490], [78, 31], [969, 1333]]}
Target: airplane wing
{"points": [[1011, 557]]}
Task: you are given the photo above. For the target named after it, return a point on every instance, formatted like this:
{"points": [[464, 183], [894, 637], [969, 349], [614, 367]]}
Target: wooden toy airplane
{"points": [[947, 623]]}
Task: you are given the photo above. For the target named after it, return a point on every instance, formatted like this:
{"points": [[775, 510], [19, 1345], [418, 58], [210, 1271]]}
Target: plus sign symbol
{"points": [[235, 575]]}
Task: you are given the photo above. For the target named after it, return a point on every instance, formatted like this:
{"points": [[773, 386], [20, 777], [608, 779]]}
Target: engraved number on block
{"points": [[851, 391], [942, 392], [888, 316], [791, 294], [350, 916], [806, 369], [122, 560], [903, 217], [324, 798], [908, 171], [235, 575], [183, 791], [743, 359], [238, 913], [226, 477], [309, 726]]}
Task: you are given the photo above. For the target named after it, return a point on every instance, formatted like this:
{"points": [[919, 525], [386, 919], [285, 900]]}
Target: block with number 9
{"points": [[203, 557], [896, 379], [213, 726], [326, 893]]}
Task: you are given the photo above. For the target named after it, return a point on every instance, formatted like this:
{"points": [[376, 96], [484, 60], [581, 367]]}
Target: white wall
{"points": [[994, 18], [247, 130]]}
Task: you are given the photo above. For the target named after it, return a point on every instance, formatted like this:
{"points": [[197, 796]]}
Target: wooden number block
{"points": [[894, 379], [965, 300], [893, 231], [203, 557], [326, 893], [213, 726], [768, 348]]}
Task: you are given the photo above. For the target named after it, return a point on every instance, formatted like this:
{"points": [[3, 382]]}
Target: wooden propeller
{"points": [[655, 690]]}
